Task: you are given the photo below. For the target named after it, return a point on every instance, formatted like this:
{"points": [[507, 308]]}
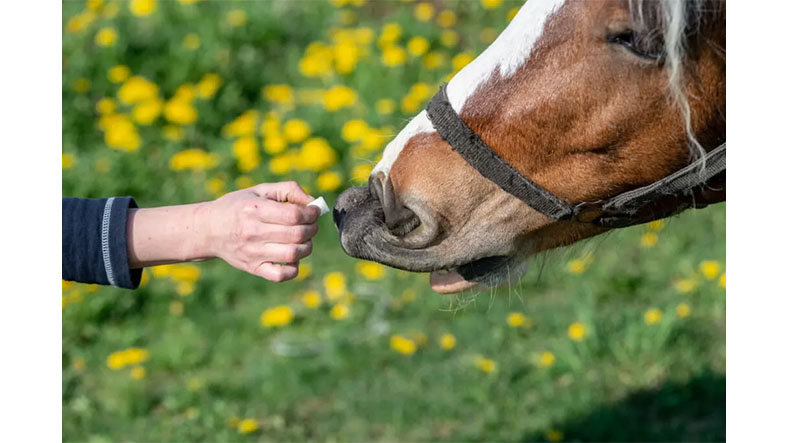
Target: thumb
{"points": [[289, 192]]}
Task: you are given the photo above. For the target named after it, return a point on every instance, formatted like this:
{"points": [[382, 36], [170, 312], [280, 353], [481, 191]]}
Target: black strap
{"points": [[489, 164], [625, 209]]}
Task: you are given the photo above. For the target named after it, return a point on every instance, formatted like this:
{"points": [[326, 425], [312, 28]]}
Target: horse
{"points": [[578, 109]]}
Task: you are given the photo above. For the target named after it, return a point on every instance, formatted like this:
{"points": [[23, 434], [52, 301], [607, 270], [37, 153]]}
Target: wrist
{"points": [[200, 244]]}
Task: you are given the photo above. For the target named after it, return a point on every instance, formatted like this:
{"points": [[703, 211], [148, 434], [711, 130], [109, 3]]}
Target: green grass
{"points": [[323, 379]]}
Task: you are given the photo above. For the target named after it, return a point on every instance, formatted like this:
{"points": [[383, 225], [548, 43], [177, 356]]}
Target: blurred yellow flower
{"points": [[136, 89], [517, 319], [370, 270], [461, 60], [576, 331], [402, 344], [347, 17], [248, 425], [316, 155], [346, 56], [184, 288], [246, 151], [173, 133], [304, 271], [69, 161], [105, 106], [449, 38], [394, 55], [311, 299], [176, 308], [243, 125], [652, 316], [710, 269], [194, 159], [389, 34], [418, 46], [184, 272], [191, 41], [648, 240], [180, 111], [145, 112], [106, 36], [317, 60], [127, 357], [279, 93], [142, 8], [683, 310], [512, 12], [120, 133], [282, 163], [187, 2], [119, 73], [137, 372], [577, 266], [335, 285], [722, 280], [274, 143], [111, 10], [339, 97], [215, 186], [488, 35], [360, 173], [243, 182], [81, 85], [340, 311], [185, 92], [434, 60], [236, 18], [685, 285], [546, 359], [329, 181], [490, 4], [208, 85], [424, 11], [385, 106], [656, 225], [446, 19], [80, 21], [485, 364], [277, 316], [296, 130], [553, 434], [447, 341], [353, 130]]}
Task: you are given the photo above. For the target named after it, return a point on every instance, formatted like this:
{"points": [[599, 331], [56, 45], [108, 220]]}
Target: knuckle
{"points": [[300, 234], [291, 254], [277, 274], [292, 215]]}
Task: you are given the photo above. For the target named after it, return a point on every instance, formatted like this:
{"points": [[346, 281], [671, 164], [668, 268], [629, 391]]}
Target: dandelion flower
{"points": [[393, 56], [335, 285], [518, 320], [447, 341], [329, 181], [311, 299], [461, 60], [304, 271], [296, 130], [488, 35], [424, 11], [710, 269], [656, 225], [316, 155], [236, 18], [137, 373], [340, 311], [490, 4], [277, 316], [648, 240], [119, 73], [248, 425], [683, 310], [105, 106], [385, 106], [339, 97], [136, 89], [402, 344], [418, 46], [370, 270], [354, 130], [653, 316], [434, 60], [144, 113], [685, 285], [486, 365], [69, 161], [449, 38], [722, 281], [191, 41], [360, 173], [446, 19], [512, 12], [208, 85], [576, 331], [278, 93], [142, 8], [546, 359], [106, 37]]}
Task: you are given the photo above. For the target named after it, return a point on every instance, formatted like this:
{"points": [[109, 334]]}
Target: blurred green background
{"points": [[619, 338]]}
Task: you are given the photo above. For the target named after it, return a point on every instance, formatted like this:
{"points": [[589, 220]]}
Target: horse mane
{"points": [[674, 23]]}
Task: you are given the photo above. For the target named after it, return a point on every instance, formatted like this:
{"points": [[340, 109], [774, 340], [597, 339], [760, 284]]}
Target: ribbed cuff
{"points": [[114, 246]]}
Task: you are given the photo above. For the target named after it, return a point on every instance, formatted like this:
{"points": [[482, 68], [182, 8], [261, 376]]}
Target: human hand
{"points": [[263, 230]]}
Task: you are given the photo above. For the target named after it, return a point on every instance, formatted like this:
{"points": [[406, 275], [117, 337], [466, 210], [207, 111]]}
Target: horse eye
{"points": [[642, 47]]}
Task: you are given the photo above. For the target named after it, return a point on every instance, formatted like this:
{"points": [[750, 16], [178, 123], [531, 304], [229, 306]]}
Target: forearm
{"points": [[167, 234]]}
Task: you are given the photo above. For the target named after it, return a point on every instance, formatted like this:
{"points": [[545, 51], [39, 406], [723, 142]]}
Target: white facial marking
{"points": [[508, 52]]}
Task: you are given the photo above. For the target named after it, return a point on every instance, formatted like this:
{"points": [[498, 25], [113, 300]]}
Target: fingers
{"points": [[285, 253], [276, 272], [290, 234], [288, 191], [286, 214]]}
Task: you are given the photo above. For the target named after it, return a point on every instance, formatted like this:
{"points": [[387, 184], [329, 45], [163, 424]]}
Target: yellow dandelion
{"points": [[403, 345], [710, 269], [80, 21], [69, 161], [512, 12], [446, 19], [329, 181], [546, 359], [385, 106], [277, 316], [648, 240], [119, 73], [243, 182], [461, 60], [316, 155], [279, 93], [360, 173], [518, 320], [274, 143], [354, 130], [137, 372], [418, 46], [370, 270], [236, 18], [683, 310], [722, 281], [180, 111], [105, 106], [296, 130], [339, 97], [311, 299], [490, 4], [106, 36], [394, 56], [577, 266], [424, 11], [208, 85], [447, 341], [191, 42], [144, 113], [137, 89], [488, 35], [304, 271], [142, 8], [215, 186], [173, 133], [339, 311], [576, 331], [449, 38], [335, 285], [485, 364], [652, 316], [184, 288], [656, 225], [685, 285], [248, 426], [434, 60]]}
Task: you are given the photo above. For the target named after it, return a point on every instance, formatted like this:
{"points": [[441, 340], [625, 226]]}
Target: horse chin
{"points": [[484, 273], [450, 282]]}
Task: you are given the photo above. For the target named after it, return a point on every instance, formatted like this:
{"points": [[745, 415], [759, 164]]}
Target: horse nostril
{"points": [[399, 219], [339, 215]]}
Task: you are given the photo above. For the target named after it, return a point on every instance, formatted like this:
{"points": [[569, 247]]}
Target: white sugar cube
{"points": [[320, 203]]}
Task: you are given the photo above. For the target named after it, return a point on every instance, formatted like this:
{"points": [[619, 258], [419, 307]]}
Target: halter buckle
{"points": [[588, 212]]}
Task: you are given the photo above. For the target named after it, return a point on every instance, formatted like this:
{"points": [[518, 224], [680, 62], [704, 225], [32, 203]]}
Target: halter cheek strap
{"points": [[663, 198]]}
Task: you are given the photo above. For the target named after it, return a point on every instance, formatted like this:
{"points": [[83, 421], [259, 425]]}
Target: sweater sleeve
{"points": [[94, 242]]}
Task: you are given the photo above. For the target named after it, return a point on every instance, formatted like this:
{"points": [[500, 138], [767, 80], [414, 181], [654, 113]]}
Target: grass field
{"points": [[619, 338]]}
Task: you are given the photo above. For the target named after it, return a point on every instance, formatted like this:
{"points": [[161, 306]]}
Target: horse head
{"points": [[586, 99]]}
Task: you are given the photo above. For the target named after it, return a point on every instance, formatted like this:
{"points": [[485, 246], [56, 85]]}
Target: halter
{"points": [[660, 199]]}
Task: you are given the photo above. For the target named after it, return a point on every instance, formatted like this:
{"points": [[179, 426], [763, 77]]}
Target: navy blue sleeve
{"points": [[94, 242]]}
